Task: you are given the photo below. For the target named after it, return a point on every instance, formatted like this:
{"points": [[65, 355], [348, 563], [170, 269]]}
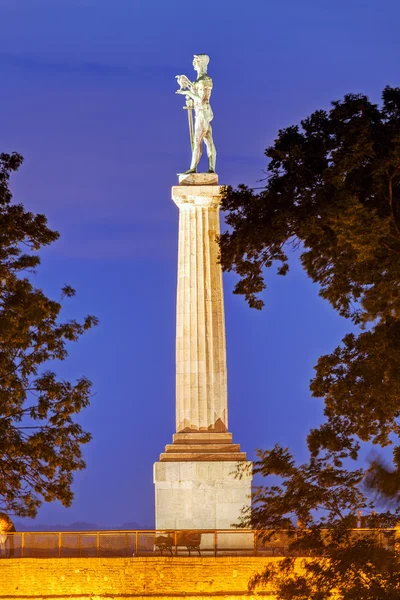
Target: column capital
{"points": [[197, 195]]}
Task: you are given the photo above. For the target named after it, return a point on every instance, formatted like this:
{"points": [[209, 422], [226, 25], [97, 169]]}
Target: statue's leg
{"points": [[211, 150], [199, 132]]}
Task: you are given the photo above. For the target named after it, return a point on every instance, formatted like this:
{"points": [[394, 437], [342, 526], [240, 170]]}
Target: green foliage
{"points": [[359, 570], [40, 443], [315, 486], [327, 557], [333, 192]]}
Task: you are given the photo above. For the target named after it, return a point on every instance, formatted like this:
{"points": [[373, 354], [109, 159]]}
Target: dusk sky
{"points": [[88, 98]]}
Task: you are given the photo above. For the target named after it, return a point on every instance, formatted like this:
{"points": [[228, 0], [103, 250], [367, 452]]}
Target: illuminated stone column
{"points": [[195, 481], [201, 386]]}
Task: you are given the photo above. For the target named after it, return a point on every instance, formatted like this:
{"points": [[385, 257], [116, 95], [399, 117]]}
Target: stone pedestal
{"points": [[199, 494], [195, 481]]}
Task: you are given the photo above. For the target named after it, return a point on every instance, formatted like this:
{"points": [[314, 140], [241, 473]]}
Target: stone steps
{"points": [[202, 437], [197, 456], [202, 446], [209, 448]]}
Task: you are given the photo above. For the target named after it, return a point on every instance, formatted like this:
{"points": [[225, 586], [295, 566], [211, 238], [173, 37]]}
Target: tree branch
{"points": [[391, 204]]}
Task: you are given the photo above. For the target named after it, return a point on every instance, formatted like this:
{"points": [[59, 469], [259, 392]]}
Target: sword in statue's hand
{"points": [[183, 83]]}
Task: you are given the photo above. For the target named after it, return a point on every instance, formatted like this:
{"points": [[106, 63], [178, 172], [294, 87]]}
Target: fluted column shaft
{"points": [[201, 378]]}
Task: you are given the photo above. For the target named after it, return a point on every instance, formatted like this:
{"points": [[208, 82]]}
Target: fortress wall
{"points": [[125, 578]]}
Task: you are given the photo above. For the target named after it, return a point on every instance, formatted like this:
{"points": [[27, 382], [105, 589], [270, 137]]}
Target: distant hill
{"points": [[77, 526]]}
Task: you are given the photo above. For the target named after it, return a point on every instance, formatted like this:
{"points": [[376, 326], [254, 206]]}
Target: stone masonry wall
{"points": [[125, 578]]}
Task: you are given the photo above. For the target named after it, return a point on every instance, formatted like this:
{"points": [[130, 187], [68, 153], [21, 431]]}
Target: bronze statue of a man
{"points": [[198, 98]]}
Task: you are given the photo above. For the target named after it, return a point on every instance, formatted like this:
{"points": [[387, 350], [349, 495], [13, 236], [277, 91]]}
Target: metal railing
{"points": [[141, 543]]}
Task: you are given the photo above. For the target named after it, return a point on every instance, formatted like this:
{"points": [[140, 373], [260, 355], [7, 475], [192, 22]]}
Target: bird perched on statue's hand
{"points": [[183, 81]]}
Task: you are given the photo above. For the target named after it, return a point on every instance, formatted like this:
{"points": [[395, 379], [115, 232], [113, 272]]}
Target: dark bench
{"points": [[191, 540]]}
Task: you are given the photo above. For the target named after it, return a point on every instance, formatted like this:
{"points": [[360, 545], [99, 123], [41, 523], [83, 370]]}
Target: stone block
{"points": [[198, 178], [203, 495], [189, 197]]}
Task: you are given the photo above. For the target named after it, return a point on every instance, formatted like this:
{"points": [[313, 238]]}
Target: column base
{"points": [[200, 494], [202, 446]]}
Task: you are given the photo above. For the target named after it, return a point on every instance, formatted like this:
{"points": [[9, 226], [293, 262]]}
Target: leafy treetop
{"points": [[333, 192], [40, 443]]}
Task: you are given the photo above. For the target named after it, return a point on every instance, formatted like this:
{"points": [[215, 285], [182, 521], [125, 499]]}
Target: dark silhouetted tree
{"points": [[40, 443], [308, 514], [333, 194]]}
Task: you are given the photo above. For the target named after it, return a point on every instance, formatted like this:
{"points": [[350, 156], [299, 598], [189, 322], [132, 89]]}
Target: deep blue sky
{"points": [[87, 96]]}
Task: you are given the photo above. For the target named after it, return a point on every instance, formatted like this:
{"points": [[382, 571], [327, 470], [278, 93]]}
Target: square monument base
{"points": [[200, 494]]}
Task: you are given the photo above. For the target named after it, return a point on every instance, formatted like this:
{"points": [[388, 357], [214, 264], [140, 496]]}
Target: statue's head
{"points": [[200, 61]]}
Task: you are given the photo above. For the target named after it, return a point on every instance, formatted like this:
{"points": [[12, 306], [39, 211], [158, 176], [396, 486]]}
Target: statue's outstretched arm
{"points": [[189, 94]]}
